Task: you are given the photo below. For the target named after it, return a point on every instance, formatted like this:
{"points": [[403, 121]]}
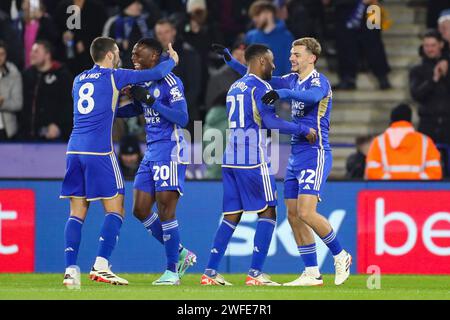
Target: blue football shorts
{"points": [[159, 176], [248, 190], [307, 172], [92, 177]]}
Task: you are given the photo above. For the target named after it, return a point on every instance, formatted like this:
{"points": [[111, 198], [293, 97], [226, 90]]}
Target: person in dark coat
{"points": [[187, 69], [352, 35], [356, 162], [74, 43], [47, 86], [429, 84]]}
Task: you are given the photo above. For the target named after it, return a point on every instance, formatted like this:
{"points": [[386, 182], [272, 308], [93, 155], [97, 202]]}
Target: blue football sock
{"points": [[109, 234], [154, 227], [261, 243], [332, 243], [223, 236], [72, 236], [308, 254], [171, 237]]}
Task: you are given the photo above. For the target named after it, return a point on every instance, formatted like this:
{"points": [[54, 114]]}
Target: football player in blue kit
{"points": [[160, 177], [309, 165], [92, 171], [249, 186]]}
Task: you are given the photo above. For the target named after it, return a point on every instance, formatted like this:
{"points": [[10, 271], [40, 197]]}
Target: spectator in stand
{"points": [[401, 153], [223, 78], [130, 156], [230, 17], [271, 32], [11, 34], [10, 95], [37, 25], [188, 67], [200, 36], [434, 8], [73, 45], [127, 27], [429, 84], [356, 162], [444, 27], [305, 18], [216, 118], [47, 87], [353, 34]]}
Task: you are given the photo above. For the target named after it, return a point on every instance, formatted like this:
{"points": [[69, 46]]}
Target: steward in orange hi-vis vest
{"points": [[401, 153]]}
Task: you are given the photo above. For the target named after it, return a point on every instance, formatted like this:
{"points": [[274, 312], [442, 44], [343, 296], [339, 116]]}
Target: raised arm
{"points": [[124, 77], [177, 112]]}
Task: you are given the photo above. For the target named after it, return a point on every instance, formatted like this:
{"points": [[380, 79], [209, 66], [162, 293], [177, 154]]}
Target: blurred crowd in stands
{"points": [[41, 52]]}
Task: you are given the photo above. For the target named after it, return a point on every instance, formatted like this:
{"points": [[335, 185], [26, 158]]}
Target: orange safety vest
{"points": [[401, 153]]}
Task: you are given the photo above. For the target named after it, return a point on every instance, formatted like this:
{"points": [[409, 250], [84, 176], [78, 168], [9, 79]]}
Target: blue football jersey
{"points": [[95, 95], [316, 116], [247, 139], [165, 139]]}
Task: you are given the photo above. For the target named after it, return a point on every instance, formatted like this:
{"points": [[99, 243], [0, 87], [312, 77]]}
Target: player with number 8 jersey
{"points": [[92, 171]]}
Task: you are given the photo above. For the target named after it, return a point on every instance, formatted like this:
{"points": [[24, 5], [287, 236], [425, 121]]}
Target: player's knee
{"points": [[292, 215], [304, 214], [270, 213], [139, 213]]}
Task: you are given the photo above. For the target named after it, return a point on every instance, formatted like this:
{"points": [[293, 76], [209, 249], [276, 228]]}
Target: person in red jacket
{"points": [[401, 153]]}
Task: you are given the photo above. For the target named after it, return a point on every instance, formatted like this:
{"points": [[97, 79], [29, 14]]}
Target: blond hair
{"points": [[311, 44]]}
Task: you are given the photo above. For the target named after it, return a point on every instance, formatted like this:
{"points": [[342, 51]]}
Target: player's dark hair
{"points": [[4, 45], [254, 51], [100, 47], [433, 33], [47, 46], [151, 43]]}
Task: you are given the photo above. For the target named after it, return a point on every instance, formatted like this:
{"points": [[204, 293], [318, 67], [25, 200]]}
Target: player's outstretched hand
{"points": [[173, 54], [270, 97], [223, 51], [141, 94], [312, 136]]}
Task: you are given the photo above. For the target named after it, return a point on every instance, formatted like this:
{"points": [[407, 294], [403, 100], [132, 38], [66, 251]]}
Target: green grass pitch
{"points": [[49, 287]]}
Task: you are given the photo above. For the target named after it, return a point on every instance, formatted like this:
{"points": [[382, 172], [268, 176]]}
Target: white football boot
{"points": [[305, 280], [216, 280], [106, 276], [72, 277], [342, 263], [261, 280]]}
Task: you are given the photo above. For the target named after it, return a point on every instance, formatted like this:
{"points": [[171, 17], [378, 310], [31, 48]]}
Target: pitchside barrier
{"points": [[398, 227]]}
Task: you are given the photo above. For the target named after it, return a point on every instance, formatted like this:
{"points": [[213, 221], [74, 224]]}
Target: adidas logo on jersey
{"points": [[307, 187], [164, 184], [101, 239], [69, 249], [214, 250], [255, 249]]}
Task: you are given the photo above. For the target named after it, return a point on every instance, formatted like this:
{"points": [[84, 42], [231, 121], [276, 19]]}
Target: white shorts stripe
{"points": [[116, 173], [264, 183], [268, 182], [317, 170], [176, 173], [320, 173], [171, 173]]}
